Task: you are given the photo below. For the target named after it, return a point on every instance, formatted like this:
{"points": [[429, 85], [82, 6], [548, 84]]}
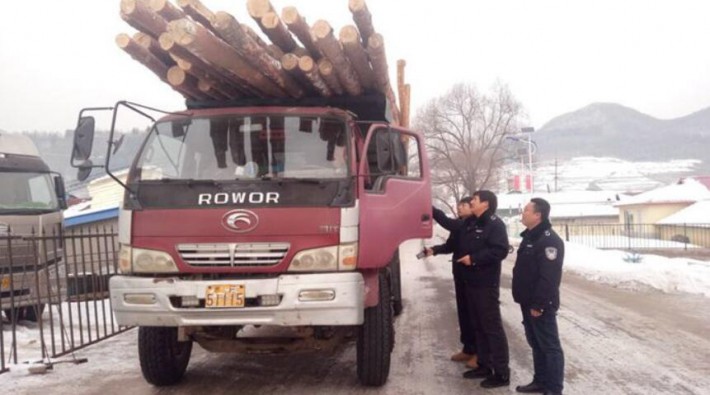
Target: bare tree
{"points": [[465, 133]]}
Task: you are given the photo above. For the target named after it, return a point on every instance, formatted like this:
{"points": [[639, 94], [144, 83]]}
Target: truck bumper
{"points": [[150, 301]]}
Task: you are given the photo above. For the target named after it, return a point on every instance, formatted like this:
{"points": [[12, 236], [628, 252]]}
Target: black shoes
{"points": [[532, 388], [495, 380], [480, 372]]}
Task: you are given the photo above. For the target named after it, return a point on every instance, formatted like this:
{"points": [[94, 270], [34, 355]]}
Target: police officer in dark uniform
{"points": [[536, 287], [453, 225], [483, 244]]}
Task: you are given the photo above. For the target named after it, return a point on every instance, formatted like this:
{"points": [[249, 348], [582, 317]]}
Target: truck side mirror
{"points": [[83, 140], [60, 191], [84, 170], [83, 143]]}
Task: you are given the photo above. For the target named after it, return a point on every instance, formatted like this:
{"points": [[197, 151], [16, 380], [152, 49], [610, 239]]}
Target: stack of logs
{"points": [[210, 56]]}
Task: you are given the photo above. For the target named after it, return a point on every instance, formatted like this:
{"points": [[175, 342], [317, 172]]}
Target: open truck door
{"points": [[394, 193]]}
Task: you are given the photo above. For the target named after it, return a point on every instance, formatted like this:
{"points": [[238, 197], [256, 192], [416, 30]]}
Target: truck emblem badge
{"points": [[240, 221]]}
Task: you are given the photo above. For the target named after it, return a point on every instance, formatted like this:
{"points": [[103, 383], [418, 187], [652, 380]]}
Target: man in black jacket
{"points": [[483, 244], [468, 339], [536, 287]]}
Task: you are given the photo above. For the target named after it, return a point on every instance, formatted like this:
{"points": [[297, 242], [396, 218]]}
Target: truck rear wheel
{"points": [[163, 359], [375, 339], [29, 313]]}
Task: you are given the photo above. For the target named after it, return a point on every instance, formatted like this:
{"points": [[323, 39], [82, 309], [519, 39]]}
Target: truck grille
{"points": [[233, 254]]}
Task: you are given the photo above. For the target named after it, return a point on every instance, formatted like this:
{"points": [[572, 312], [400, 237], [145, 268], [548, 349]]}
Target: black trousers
{"points": [[491, 342], [548, 357], [468, 335]]}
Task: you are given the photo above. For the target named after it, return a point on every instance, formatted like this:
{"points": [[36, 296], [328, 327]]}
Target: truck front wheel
{"points": [[163, 358], [376, 338]]}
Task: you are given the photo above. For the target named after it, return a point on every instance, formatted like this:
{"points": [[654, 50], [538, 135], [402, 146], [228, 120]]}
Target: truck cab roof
{"points": [[17, 144]]}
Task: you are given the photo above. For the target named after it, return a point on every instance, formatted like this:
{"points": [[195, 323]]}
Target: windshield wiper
{"points": [[316, 181], [189, 181]]}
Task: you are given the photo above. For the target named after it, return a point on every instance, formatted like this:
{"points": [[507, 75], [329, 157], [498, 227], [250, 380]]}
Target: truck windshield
{"points": [[239, 147], [27, 192]]}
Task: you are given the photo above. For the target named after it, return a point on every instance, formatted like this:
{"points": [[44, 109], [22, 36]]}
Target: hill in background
{"points": [[612, 130]]}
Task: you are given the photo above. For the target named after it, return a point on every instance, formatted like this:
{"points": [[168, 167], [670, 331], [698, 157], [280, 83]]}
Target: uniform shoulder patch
{"points": [[547, 233], [551, 253]]}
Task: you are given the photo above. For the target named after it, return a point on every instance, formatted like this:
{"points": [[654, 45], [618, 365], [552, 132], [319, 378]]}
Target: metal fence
{"points": [[54, 292], [632, 237]]}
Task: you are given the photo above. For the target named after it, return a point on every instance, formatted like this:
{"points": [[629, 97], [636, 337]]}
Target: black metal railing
{"points": [[688, 237], [54, 287]]}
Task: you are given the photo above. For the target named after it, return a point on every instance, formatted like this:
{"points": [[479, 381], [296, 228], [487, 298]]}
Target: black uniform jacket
{"points": [[485, 239], [453, 225], [538, 268]]}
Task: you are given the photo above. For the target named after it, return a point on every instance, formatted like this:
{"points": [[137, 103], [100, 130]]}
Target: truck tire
{"points": [[32, 313], [375, 339], [396, 281], [29, 313], [16, 317], [163, 359]]}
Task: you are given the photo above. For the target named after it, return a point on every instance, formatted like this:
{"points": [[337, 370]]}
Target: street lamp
{"points": [[529, 131], [532, 146]]}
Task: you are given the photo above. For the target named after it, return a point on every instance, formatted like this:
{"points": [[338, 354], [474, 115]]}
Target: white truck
{"points": [[31, 202]]}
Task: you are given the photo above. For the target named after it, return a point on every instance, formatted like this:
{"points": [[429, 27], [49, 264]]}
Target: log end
{"points": [[258, 8], [306, 63], [142, 39], [176, 76], [123, 40], [204, 86], [166, 41], [158, 5], [128, 6], [321, 29], [357, 5], [375, 41], [183, 31], [289, 61], [325, 67], [290, 15], [349, 35], [182, 63], [222, 20], [270, 20]]}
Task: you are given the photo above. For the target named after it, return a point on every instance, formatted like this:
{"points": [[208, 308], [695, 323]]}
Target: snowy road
{"points": [[616, 342]]}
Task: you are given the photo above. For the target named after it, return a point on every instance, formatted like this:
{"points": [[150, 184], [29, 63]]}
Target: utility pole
{"points": [[555, 174]]}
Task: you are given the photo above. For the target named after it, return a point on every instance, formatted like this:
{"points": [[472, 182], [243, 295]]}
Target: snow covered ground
{"points": [[618, 268]]}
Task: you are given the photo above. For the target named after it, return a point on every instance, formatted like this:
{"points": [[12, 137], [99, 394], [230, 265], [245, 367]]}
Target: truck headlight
{"points": [[141, 260], [342, 257]]}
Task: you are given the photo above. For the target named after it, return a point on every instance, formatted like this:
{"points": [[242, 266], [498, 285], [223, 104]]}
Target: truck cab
{"points": [[31, 203], [286, 216]]}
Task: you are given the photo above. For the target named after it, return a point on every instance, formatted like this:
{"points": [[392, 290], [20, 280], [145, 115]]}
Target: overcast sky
{"points": [[556, 55]]}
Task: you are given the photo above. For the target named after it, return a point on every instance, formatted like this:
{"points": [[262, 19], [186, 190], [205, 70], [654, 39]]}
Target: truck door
{"points": [[394, 193]]}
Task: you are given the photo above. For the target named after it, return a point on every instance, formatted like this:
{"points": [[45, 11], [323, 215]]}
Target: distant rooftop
{"points": [[685, 190], [693, 215]]}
